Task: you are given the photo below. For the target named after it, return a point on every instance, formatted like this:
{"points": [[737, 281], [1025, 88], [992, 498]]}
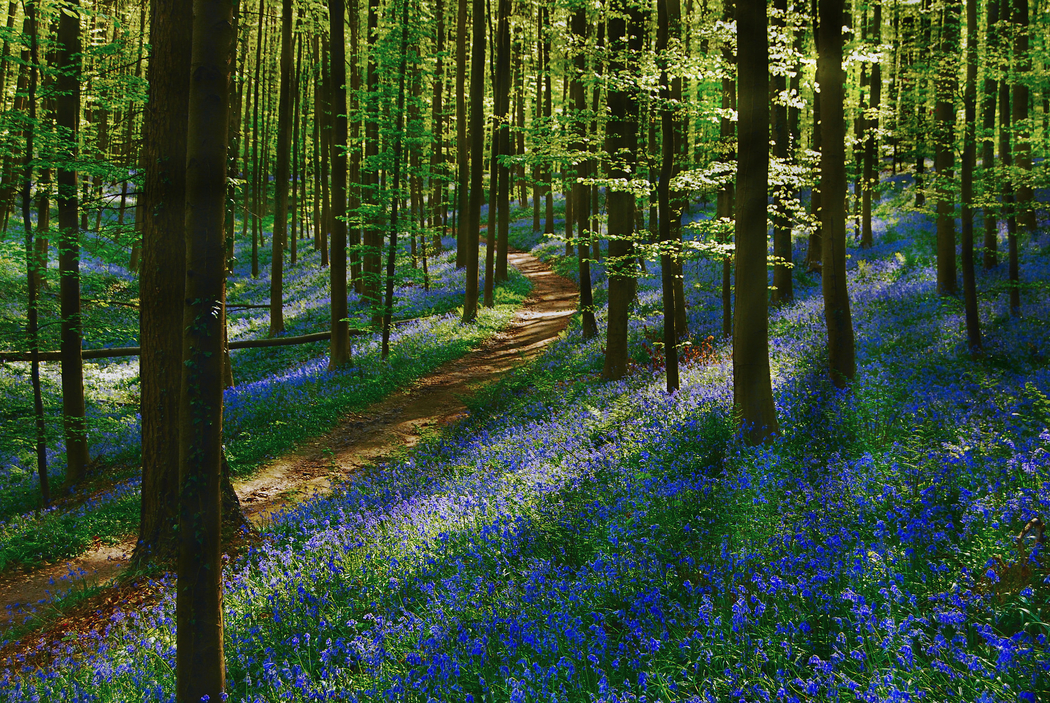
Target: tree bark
{"points": [[973, 323], [462, 143], [437, 121], [284, 146], [399, 127], [339, 354], [990, 257], [667, 22], [782, 284], [1023, 130], [67, 114], [32, 274], [752, 388], [842, 365], [200, 661], [162, 279], [621, 144], [944, 116], [477, 147], [871, 146], [581, 192], [725, 204]]}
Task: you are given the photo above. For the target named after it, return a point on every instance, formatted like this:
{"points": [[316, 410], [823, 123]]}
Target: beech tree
{"points": [[842, 365], [200, 661], [752, 387], [74, 413], [621, 144]]}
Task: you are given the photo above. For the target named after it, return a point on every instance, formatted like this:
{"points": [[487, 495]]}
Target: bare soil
{"points": [[360, 439]]}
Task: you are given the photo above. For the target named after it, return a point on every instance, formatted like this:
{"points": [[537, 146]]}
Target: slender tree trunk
{"points": [[1023, 129], [990, 257], [322, 103], [437, 121], [973, 323], [372, 234], [293, 207], [548, 174], [814, 252], [477, 148], [68, 113], [944, 115], [388, 308], [257, 178], [581, 192], [339, 354], [725, 205], [506, 140], [463, 146], [782, 284], [752, 388], [842, 366], [667, 23], [354, 188], [621, 143], [200, 660], [1006, 160], [33, 276], [871, 146], [284, 147]]}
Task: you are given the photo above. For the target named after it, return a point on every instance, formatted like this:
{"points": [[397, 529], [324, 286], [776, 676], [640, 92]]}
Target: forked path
{"points": [[359, 439]]}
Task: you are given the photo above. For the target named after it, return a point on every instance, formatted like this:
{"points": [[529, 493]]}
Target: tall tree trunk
{"points": [[842, 365], [33, 276], [477, 148], [548, 174], [200, 660], [323, 103], [944, 115], [667, 23], [725, 205], [990, 257], [463, 146], [162, 279], [621, 144], [284, 147], [293, 207], [814, 252], [973, 323], [354, 189], [782, 284], [257, 178], [581, 192], [1022, 127], [373, 229], [1006, 159], [506, 141], [68, 113], [437, 121], [388, 307], [339, 354], [871, 146], [752, 387]]}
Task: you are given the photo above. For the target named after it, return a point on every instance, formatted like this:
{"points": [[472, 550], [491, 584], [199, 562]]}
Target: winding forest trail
{"points": [[359, 439]]}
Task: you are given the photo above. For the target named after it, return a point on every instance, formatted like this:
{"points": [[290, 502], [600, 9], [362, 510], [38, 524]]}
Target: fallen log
{"points": [[116, 352]]}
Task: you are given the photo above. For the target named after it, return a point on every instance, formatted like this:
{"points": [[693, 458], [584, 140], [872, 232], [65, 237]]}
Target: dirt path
{"points": [[359, 439]]}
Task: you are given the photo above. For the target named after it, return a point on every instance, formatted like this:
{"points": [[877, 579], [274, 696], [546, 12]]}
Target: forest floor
{"points": [[362, 438]]}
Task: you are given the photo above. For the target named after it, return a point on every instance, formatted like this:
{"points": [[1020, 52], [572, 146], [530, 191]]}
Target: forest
{"points": [[524, 350]]}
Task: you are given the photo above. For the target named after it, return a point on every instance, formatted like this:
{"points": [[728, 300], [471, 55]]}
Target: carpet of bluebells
{"points": [[581, 541]]}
